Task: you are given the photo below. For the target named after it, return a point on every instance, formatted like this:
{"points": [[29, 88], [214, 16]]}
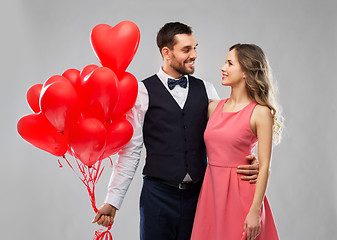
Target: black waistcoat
{"points": [[173, 137]]}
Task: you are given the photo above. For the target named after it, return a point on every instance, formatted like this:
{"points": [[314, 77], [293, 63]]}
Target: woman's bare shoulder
{"points": [[211, 106], [262, 115], [262, 111]]}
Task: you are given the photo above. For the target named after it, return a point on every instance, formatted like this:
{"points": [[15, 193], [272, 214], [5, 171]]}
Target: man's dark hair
{"points": [[165, 36]]}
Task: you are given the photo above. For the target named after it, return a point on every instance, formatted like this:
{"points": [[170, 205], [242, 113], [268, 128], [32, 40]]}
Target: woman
{"points": [[229, 208]]}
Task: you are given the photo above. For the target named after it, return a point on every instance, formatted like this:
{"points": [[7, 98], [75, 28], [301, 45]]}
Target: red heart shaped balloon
{"points": [[73, 75], [99, 94], [128, 90], [115, 46], [38, 131], [119, 133], [86, 71], [33, 96], [60, 104], [87, 140], [55, 78]]}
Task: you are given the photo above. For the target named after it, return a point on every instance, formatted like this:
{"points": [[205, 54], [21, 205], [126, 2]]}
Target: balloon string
{"points": [[100, 235], [60, 164], [111, 164], [90, 178]]}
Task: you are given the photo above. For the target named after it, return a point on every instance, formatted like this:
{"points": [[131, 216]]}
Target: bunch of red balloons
{"points": [[83, 112]]}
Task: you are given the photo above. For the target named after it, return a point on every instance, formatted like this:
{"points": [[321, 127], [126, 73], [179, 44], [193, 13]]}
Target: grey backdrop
{"points": [[40, 38]]}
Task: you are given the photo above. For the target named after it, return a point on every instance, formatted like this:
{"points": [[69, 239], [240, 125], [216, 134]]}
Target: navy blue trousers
{"points": [[166, 213]]}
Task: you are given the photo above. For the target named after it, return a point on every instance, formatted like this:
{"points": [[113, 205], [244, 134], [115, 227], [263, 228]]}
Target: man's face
{"points": [[181, 58]]}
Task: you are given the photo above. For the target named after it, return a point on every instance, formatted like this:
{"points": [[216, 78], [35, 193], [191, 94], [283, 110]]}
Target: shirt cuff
{"points": [[114, 201]]}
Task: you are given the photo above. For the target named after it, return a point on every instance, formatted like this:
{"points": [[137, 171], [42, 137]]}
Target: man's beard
{"points": [[183, 70]]}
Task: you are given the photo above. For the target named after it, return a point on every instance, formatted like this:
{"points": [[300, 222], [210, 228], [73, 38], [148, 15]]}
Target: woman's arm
{"points": [[211, 106], [262, 126]]}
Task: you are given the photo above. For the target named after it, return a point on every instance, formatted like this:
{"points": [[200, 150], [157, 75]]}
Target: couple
{"points": [[170, 117]]}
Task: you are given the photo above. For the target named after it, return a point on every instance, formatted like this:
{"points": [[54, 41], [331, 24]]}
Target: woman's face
{"points": [[232, 73]]}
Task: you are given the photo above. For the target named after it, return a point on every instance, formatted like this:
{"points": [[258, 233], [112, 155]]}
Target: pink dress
{"points": [[225, 199]]}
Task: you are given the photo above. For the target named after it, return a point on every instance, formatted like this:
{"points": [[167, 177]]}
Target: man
{"points": [[169, 116]]}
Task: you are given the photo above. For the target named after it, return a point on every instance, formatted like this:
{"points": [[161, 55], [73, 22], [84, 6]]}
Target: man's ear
{"points": [[165, 52]]}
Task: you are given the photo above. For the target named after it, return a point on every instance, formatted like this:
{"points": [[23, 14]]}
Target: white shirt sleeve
{"points": [[211, 92], [128, 157]]}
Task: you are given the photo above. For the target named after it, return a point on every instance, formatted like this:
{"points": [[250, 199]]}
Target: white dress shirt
{"points": [[126, 165]]}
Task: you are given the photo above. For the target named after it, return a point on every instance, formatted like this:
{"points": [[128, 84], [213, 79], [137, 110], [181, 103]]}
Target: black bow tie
{"points": [[172, 82]]}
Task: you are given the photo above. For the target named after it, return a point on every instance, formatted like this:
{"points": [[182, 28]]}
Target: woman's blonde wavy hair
{"points": [[259, 82]]}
